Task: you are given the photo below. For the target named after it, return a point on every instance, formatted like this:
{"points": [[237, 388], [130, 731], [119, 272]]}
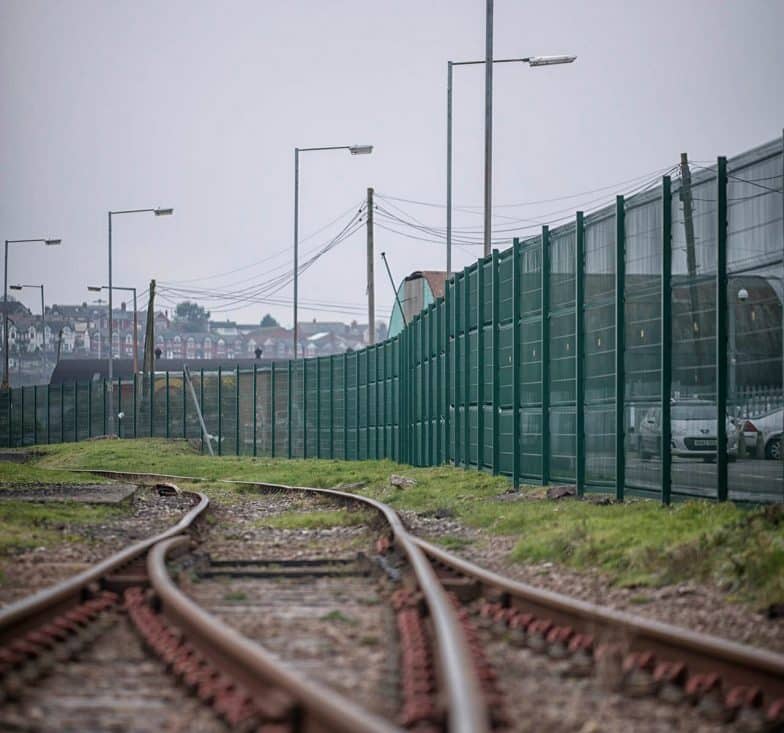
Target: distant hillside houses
{"points": [[81, 332]]}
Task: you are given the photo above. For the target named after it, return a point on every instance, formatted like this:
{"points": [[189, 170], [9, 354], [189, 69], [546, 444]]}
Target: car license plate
{"points": [[704, 443]]}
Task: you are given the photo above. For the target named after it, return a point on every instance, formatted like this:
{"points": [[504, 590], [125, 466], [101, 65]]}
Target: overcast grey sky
{"points": [[198, 105]]}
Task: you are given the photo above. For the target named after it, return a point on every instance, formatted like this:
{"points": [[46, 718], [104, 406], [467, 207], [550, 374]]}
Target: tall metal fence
{"points": [[637, 349]]}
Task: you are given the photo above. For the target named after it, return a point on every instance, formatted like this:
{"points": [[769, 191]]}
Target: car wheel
{"points": [[773, 448]]}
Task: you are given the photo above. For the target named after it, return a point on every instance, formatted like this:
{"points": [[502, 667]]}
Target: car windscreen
{"points": [[693, 412]]}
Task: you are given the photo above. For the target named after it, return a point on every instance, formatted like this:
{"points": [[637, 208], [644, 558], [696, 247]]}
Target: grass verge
{"points": [[317, 519], [25, 525], [638, 543]]}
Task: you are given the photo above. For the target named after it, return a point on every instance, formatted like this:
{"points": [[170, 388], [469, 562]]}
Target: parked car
{"points": [[771, 426], [692, 428]]}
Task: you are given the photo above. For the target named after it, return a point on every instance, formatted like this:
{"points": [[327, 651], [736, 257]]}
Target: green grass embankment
{"points": [[637, 543]]}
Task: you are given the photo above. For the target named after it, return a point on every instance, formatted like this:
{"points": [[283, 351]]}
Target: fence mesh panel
{"points": [[491, 375]]}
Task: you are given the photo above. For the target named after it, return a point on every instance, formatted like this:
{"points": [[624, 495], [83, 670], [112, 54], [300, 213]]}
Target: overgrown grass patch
{"points": [[25, 525], [451, 542], [317, 519], [13, 475], [637, 543]]}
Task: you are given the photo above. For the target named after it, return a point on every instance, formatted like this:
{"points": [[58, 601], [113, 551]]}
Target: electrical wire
{"points": [[274, 255]]}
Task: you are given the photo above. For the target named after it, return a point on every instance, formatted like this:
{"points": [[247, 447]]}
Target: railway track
{"points": [[444, 610], [247, 686]]}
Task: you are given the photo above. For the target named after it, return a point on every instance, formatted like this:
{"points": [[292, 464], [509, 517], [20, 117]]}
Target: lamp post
{"points": [[49, 242], [43, 320], [531, 61], [354, 150], [98, 289], [158, 212]]}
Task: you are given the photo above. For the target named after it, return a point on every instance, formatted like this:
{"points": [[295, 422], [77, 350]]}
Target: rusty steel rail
{"points": [[242, 659], [465, 706], [737, 664], [33, 610]]}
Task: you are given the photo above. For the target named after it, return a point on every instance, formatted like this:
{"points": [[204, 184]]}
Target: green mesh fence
{"points": [[637, 349]]}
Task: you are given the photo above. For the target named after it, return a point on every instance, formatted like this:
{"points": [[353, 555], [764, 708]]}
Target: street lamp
{"points": [[98, 289], [43, 320], [354, 150], [158, 212], [48, 242], [531, 61]]}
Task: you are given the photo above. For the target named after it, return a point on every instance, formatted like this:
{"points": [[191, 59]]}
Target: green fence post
{"points": [[331, 406], [405, 389], [356, 404], [10, 417], [458, 417], [407, 395], [62, 410], [447, 377], [411, 397], [152, 403], [427, 393], [480, 356], [467, 368], [397, 400], [22, 413], [273, 410], [620, 333], [380, 396], [237, 412], [184, 407], [201, 403], [255, 409], [135, 403], [345, 405], [432, 388], [438, 396], [375, 397], [367, 402], [304, 408], [721, 328], [666, 341], [545, 352], [119, 407], [516, 296], [220, 412], [35, 414], [579, 307], [496, 386], [48, 413], [288, 390], [422, 411], [167, 405], [318, 407]]}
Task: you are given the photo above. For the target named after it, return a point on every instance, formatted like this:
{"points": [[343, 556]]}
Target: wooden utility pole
{"points": [[149, 334], [685, 196], [370, 284], [688, 215]]}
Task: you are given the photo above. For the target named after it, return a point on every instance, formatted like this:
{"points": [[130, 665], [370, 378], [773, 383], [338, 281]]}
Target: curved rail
{"points": [[738, 664], [249, 662], [466, 708], [27, 612]]}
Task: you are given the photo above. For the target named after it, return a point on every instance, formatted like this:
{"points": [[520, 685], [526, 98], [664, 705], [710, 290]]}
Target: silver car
{"points": [[693, 432], [770, 426]]}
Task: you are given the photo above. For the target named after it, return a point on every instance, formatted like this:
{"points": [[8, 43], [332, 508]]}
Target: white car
{"points": [[692, 429], [771, 426]]}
